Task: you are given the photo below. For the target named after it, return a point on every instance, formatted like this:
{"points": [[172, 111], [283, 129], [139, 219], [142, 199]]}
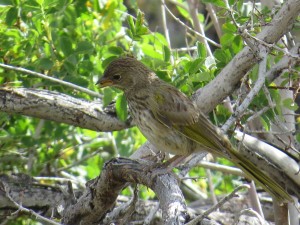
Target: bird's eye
{"points": [[116, 77]]}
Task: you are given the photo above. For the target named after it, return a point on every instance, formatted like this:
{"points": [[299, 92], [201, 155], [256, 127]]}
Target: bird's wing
{"points": [[207, 135], [172, 107], [176, 110]]}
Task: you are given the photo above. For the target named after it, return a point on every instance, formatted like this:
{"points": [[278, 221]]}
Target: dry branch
{"points": [[58, 107], [101, 193]]}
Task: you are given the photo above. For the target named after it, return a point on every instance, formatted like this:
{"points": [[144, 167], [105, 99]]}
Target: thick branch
{"points": [[48, 201], [284, 164], [58, 107], [101, 193], [225, 83]]}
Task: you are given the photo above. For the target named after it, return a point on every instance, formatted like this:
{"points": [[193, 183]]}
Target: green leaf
{"points": [[237, 44], [205, 76], [129, 33], [201, 50], [290, 104], [108, 61], [162, 74], [84, 47], [139, 20], [69, 66], [45, 64], [137, 29], [183, 10], [40, 2], [229, 28], [108, 96], [227, 39], [195, 65], [265, 122], [151, 51], [142, 30], [240, 4], [219, 3], [167, 53], [87, 66], [66, 46], [131, 24], [11, 16], [79, 80], [121, 107], [115, 50], [6, 2], [223, 55], [161, 38], [50, 3]]}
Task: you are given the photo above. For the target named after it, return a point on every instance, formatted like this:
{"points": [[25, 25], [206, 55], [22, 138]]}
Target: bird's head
{"points": [[124, 73]]}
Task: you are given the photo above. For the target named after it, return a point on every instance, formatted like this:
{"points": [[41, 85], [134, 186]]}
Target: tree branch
{"points": [[101, 193], [58, 107], [225, 83]]}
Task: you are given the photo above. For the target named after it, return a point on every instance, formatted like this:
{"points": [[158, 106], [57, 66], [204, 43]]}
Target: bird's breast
{"points": [[166, 139]]}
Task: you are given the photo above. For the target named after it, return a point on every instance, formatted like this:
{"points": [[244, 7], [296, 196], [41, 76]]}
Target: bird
{"points": [[171, 121]]}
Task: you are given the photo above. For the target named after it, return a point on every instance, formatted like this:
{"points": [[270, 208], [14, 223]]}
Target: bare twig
{"points": [[190, 29], [165, 26], [258, 85], [212, 14], [220, 203], [255, 203], [40, 75], [222, 168], [193, 9], [25, 210]]}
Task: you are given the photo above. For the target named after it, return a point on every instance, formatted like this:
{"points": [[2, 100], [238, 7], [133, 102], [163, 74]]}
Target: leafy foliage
{"points": [[74, 41]]}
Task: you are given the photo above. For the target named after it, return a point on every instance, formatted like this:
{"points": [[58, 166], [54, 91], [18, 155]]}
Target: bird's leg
{"points": [[174, 161], [166, 167]]}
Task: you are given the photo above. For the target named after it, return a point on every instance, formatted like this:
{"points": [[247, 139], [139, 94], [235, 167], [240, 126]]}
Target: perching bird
{"points": [[171, 121]]}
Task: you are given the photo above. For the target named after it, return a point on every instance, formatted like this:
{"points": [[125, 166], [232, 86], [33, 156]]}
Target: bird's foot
{"points": [[158, 169]]}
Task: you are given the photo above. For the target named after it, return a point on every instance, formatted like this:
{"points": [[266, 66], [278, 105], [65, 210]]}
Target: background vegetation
{"points": [[75, 40]]}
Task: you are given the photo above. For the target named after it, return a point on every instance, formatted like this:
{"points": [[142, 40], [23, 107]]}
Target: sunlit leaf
{"points": [[201, 50], [219, 3], [11, 16], [84, 47], [121, 107], [195, 65], [167, 53], [290, 104], [45, 64]]}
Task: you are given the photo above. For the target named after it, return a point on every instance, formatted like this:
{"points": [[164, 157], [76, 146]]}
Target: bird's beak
{"points": [[104, 82]]}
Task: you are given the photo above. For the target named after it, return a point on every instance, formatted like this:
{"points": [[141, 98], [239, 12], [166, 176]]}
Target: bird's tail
{"points": [[250, 169], [212, 139]]}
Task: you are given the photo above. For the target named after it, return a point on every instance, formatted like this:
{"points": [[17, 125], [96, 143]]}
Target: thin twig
{"points": [[212, 14], [23, 209], [255, 203], [211, 187], [185, 49], [258, 85], [193, 9], [190, 29], [245, 34], [74, 86], [80, 161], [220, 203], [165, 26], [178, 4], [222, 168]]}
